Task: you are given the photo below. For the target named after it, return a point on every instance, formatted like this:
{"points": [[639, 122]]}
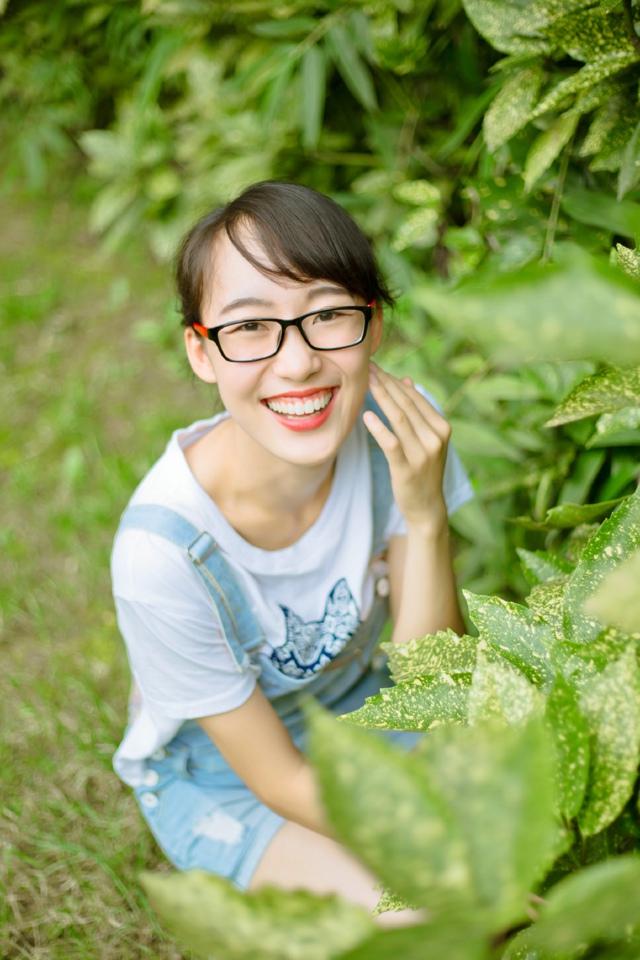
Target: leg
{"points": [[299, 859]]}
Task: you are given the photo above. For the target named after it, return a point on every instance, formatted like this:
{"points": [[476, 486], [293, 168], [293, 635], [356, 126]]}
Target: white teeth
{"points": [[300, 408]]}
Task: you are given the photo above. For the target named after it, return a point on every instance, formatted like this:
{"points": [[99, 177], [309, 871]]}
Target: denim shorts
{"points": [[202, 814]]}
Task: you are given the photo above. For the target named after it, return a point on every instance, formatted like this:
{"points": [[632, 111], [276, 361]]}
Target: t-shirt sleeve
{"points": [[456, 485], [175, 643]]}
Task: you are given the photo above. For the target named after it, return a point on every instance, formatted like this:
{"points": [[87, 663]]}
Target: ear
{"points": [[198, 355], [376, 329]]}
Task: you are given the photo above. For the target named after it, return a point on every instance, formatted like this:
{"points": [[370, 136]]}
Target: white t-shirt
{"points": [[308, 598]]}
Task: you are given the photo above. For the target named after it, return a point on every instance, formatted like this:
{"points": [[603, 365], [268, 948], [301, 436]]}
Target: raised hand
{"points": [[415, 448]]}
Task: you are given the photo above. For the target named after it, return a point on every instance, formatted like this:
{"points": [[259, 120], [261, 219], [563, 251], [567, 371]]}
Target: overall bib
{"points": [[198, 809]]}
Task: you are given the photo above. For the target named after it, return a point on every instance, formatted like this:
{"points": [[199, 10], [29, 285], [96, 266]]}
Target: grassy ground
{"points": [[90, 392]]}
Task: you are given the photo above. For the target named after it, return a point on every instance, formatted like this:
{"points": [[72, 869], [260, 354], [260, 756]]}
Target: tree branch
{"points": [[628, 16]]}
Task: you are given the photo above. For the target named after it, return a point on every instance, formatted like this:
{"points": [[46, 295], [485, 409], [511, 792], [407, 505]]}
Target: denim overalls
{"points": [[198, 809]]}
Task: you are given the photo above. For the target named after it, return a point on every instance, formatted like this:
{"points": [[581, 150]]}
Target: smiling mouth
{"points": [[300, 406]]}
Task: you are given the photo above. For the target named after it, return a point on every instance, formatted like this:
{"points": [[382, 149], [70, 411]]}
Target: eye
{"points": [[325, 316], [249, 326]]}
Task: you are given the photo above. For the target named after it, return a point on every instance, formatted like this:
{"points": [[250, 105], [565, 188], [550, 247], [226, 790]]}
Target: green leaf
{"points": [[497, 21], [512, 107], [419, 704], [630, 166], [384, 807], [569, 733], [281, 29], [462, 939], [499, 786], [568, 515], [600, 902], [617, 599], [516, 634], [480, 439], [352, 68], [610, 703], [499, 693], [617, 538], [212, 917], [584, 79], [444, 651], [628, 261], [547, 601], [313, 80], [547, 147], [579, 308], [599, 210], [604, 392], [539, 566]]}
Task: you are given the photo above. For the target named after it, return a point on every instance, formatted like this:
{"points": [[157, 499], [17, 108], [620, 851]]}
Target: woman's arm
{"points": [[423, 591], [257, 746]]}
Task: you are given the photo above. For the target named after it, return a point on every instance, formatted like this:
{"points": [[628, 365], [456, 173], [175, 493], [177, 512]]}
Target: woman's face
{"points": [[296, 374]]}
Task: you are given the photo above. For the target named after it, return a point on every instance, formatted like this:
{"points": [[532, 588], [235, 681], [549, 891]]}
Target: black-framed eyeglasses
{"points": [[333, 328]]}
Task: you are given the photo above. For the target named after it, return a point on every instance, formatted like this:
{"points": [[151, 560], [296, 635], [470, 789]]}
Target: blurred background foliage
{"points": [[470, 140]]}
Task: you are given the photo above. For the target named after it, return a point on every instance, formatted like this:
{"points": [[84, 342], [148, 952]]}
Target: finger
{"points": [[427, 412], [385, 438], [404, 421]]}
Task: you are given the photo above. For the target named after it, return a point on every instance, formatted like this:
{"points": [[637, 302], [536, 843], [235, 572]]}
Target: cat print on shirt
{"points": [[309, 646]]}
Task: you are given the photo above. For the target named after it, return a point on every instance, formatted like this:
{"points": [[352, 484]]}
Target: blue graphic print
{"points": [[310, 645]]}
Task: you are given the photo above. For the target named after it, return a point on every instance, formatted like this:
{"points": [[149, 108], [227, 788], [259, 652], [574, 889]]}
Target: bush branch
{"points": [[628, 15]]}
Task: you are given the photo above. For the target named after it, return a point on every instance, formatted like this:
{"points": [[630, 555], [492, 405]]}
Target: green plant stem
{"points": [[555, 206], [628, 16]]}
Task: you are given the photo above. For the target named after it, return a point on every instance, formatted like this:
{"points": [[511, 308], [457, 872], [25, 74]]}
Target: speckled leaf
{"points": [[418, 704], [539, 566], [565, 516], [520, 948], [496, 20], [577, 308], [610, 703], [607, 647], [511, 108], [540, 14], [570, 737], [628, 260], [608, 5], [516, 633], [630, 165], [499, 784], [617, 600], [390, 901], [604, 392], [385, 808], [600, 902], [547, 147], [590, 36], [427, 656], [547, 601], [212, 917], [585, 78], [610, 132], [616, 429], [462, 938], [617, 538], [501, 694]]}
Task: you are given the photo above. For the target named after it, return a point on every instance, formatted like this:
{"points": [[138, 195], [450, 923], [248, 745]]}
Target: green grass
{"points": [[90, 391]]}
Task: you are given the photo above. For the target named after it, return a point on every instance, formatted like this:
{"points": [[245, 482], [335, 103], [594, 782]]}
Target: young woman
{"points": [[257, 558]]}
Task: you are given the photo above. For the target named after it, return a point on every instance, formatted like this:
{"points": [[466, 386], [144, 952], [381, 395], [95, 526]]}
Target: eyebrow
{"points": [[259, 302]]}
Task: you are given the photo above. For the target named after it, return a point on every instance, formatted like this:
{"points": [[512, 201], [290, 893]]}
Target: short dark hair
{"points": [[306, 235]]}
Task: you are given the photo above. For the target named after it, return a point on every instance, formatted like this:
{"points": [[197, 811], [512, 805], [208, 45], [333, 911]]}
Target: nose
{"points": [[296, 360]]}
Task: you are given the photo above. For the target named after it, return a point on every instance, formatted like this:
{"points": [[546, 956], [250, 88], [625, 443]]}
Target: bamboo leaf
{"points": [[604, 392], [617, 538], [499, 693], [386, 809], [547, 147], [512, 107], [517, 634], [617, 599], [283, 29], [444, 651], [352, 68], [600, 902], [212, 917], [570, 736], [610, 703], [599, 210], [313, 80]]}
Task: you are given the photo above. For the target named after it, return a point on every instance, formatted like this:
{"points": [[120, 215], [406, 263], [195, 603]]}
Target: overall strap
{"points": [[240, 630], [382, 493]]}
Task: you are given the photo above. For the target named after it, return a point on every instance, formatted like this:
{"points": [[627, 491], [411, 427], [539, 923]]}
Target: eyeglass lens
{"points": [[327, 330]]}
